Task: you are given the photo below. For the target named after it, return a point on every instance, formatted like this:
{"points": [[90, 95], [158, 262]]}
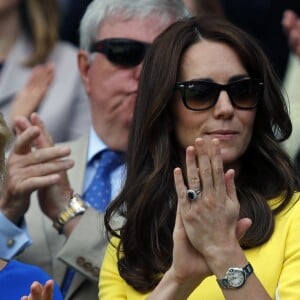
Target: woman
{"points": [[210, 112], [18, 279], [38, 73]]}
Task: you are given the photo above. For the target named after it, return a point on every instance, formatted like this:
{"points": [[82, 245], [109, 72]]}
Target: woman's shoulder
{"points": [[112, 250], [295, 203], [114, 243], [293, 207]]}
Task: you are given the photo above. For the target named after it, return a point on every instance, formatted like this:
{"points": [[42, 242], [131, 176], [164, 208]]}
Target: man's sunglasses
{"points": [[201, 95], [123, 52]]}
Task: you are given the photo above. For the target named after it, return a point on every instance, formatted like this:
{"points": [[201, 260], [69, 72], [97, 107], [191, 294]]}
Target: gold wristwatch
{"points": [[75, 207]]}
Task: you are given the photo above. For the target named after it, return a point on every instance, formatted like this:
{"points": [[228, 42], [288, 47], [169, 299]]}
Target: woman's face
{"points": [[216, 62]]}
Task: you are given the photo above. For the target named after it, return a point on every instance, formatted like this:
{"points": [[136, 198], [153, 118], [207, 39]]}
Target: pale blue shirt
{"points": [[14, 239]]}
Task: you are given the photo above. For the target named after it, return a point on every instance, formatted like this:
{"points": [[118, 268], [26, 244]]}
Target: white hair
{"points": [[98, 10]]}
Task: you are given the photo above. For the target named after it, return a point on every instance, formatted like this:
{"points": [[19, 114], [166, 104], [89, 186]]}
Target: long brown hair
{"points": [[148, 200], [40, 19]]}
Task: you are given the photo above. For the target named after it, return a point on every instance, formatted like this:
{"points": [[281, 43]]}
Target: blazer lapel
{"points": [[77, 281]]}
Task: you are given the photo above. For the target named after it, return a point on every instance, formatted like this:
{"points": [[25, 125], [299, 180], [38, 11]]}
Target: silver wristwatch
{"points": [[235, 277]]}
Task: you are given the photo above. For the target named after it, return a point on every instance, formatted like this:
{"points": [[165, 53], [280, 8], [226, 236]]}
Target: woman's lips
{"points": [[223, 134]]}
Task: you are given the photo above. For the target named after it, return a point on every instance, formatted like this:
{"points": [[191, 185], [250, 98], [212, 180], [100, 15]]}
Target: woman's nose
{"points": [[223, 107]]}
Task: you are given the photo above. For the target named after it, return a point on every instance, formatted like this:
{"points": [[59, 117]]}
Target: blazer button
{"points": [[87, 266], [80, 261], [95, 272]]}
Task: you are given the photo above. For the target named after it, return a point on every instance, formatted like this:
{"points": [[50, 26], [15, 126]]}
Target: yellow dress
{"points": [[276, 263]]}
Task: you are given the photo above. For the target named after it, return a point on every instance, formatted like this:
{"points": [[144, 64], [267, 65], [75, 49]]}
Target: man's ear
{"points": [[83, 61]]}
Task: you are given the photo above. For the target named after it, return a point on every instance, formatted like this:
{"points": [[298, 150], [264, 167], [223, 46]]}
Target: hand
{"points": [[291, 24], [40, 292], [52, 198], [30, 97], [211, 221], [193, 272], [29, 170]]}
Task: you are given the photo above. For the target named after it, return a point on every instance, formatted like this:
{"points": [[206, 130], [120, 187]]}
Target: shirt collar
{"points": [[96, 145]]}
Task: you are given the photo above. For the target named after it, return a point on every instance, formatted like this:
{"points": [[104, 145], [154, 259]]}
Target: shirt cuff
{"points": [[13, 239]]}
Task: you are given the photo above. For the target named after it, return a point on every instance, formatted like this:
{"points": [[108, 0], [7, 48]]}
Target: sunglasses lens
{"points": [[200, 96], [127, 54], [124, 52], [245, 93]]}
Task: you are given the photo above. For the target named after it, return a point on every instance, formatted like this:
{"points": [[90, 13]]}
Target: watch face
{"points": [[235, 277]]}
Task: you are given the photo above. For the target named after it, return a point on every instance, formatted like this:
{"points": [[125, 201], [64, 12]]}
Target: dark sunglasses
{"points": [[124, 52], [201, 95]]}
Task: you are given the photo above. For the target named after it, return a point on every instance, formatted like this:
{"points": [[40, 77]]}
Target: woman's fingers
{"points": [[230, 184], [217, 168], [48, 290], [204, 164], [192, 169], [242, 226], [180, 186], [40, 292]]}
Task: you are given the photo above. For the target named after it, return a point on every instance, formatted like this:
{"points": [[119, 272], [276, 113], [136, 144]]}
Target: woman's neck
{"points": [[9, 31]]}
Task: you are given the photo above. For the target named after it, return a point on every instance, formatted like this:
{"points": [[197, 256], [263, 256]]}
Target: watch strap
{"points": [[248, 269], [75, 207]]}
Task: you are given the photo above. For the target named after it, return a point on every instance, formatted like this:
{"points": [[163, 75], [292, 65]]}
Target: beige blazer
{"points": [[83, 250], [65, 108]]}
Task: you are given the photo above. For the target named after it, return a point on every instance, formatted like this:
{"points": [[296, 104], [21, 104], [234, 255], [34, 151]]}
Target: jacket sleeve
{"points": [[85, 247]]}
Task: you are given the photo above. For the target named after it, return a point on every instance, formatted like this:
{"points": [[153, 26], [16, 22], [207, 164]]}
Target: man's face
{"points": [[112, 89]]}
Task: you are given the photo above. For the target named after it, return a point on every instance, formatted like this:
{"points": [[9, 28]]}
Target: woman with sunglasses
{"points": [[210, 202]]}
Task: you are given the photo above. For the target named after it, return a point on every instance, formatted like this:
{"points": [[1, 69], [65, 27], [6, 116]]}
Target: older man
{"points": [[67, 240]]}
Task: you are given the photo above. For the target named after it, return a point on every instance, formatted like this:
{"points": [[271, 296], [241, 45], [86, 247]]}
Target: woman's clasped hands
{"points": [[207, 228]]}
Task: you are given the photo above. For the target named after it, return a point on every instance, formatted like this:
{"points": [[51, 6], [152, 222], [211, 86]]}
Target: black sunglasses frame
{"points": [[126, 57], [181, 86]]}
